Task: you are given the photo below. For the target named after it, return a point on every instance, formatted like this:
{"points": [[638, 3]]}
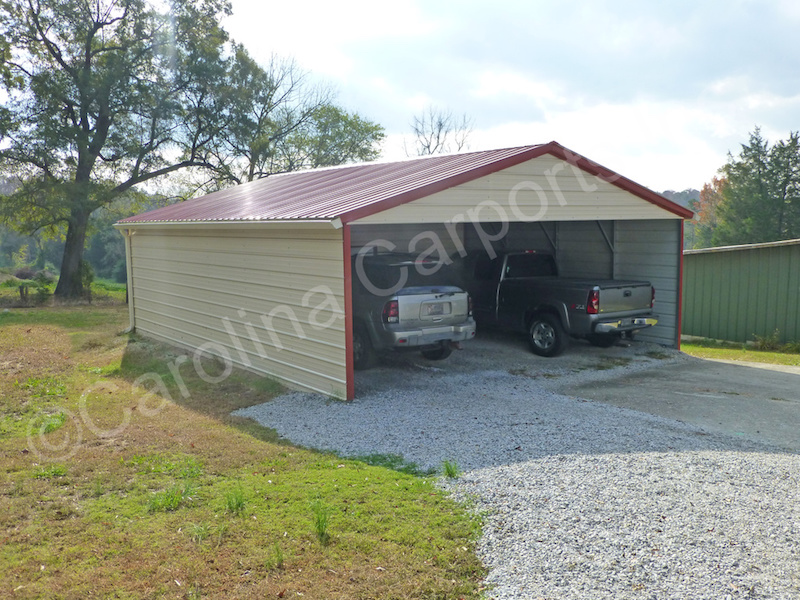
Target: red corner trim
{"points": [[680, 287]]}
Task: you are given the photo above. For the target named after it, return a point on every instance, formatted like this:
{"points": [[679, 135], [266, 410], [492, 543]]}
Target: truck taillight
{"points": [[391, 312], [652, 297], [469, 306], [593, 303]]}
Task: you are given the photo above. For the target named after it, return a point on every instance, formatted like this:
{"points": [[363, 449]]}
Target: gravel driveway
{"points": [[581, 499]]}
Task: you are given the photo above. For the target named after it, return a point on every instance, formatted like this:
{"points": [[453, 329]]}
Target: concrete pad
{"points": [[757, 402]]}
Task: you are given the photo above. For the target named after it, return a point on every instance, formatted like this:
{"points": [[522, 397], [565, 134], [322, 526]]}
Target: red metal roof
{"points": [[355, 191]]}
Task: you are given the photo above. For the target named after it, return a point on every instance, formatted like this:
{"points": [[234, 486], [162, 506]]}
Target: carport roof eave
{"points": [[334, 223]]}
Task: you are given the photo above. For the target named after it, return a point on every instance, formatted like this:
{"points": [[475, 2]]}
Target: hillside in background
{"points": [[686, 198]]}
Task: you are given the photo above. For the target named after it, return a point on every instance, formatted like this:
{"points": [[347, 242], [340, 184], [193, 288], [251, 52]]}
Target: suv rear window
{"points": [[386, 271]]}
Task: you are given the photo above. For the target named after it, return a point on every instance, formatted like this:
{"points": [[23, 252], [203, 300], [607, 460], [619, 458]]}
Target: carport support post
{"points": [[348, 312], [679, 319]]}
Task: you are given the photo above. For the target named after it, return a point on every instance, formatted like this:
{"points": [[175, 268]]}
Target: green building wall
{"points": [[738, 292]]}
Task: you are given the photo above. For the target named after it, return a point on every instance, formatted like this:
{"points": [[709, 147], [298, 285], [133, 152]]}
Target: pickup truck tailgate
{"points": [[623, 296]]}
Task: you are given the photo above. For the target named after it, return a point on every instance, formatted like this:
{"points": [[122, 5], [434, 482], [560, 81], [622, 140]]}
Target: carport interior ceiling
{"points": [[200, 272]]}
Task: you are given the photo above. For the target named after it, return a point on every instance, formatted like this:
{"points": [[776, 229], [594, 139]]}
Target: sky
{"points": [[657, 91]]}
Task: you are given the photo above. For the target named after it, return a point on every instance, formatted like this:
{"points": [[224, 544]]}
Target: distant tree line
{"points": [[755, 197]]}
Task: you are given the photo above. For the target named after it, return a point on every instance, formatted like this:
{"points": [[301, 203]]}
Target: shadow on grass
{"points": [[199, 384]]}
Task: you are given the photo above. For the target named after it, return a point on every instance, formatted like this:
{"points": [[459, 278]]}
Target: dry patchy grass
{"points": [[108, 490]]}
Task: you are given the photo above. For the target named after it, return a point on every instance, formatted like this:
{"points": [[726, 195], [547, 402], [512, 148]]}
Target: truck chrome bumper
{"points": [[432, 335], [630, 324]]}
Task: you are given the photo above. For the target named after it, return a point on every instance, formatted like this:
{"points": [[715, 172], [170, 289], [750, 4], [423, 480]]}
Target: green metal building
{"points": [[738, 292]]}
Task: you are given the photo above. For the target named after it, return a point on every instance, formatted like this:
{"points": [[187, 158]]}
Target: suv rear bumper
{"points": [[430, 336], [625, 324]]}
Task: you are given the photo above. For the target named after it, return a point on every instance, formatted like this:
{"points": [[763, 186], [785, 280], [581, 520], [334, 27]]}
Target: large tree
{"points": [[99, 96], [103, 95], [760, 198], [279, 121]]}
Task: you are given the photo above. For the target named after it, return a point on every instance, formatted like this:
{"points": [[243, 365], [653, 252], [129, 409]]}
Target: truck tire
{"points": [[546, 336], [439, 353], [363, 352], [603, 340]]}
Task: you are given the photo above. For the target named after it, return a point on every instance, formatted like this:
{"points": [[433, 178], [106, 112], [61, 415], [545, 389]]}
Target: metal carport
{"points": [[260, 274]]}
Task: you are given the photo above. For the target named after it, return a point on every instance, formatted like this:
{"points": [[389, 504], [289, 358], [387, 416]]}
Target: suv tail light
{"points": [[391, 312], [593, 303], [469, 306], [652, 297]]}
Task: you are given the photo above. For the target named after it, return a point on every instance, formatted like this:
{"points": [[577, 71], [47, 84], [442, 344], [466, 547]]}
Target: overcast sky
{"points": [[658, 91]]}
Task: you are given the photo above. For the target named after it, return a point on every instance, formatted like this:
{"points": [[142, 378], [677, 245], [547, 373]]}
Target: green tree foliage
{"points": [[101, 96], [707, 208], [279, 122], [330, 136], [104, 95], [759, 193]]}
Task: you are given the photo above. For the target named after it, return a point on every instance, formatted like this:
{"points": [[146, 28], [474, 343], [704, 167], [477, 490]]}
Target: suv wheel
{"points": [[546, 336]]}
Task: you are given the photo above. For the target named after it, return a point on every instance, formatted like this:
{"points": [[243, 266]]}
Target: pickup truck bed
{"points": [[522, 291]]}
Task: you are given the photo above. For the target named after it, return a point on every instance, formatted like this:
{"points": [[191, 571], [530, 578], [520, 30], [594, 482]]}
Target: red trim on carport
{"points": [[680, 287], [348, 314]]}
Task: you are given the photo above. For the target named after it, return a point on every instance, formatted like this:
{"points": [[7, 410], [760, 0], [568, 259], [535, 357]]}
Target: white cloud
{"points": [[318, 33], [659, 92]]}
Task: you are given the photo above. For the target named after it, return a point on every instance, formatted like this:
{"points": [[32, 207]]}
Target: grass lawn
{"points": [[122, 475], [727, 351]]}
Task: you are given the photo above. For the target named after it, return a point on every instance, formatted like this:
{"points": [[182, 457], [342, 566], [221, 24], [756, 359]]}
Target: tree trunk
{"points": [[70, 284]]}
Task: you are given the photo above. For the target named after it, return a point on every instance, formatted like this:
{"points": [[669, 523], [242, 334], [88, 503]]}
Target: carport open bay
{"points": [[582, 499]]}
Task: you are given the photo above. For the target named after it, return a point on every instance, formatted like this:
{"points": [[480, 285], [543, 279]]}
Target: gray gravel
{"points": [[580, 499]]}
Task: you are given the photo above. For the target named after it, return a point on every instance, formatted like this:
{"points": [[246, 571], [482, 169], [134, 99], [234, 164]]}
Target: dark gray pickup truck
{"points": [[522, 291], [402, 302]]}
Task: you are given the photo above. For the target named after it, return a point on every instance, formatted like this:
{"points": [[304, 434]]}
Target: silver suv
{"points": [[404, 303]]}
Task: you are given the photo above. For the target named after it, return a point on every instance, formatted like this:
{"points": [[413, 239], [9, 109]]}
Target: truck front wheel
{"points": [[546, 335]]}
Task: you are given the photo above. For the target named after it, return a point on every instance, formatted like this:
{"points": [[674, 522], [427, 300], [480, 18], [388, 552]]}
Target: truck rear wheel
{"points": [[439, 353], [363, 353], [546, 335]]}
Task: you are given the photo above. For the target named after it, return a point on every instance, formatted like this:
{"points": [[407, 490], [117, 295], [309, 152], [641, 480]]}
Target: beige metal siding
{"points": [[541, 189], [651, 250], [270, 300]]}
